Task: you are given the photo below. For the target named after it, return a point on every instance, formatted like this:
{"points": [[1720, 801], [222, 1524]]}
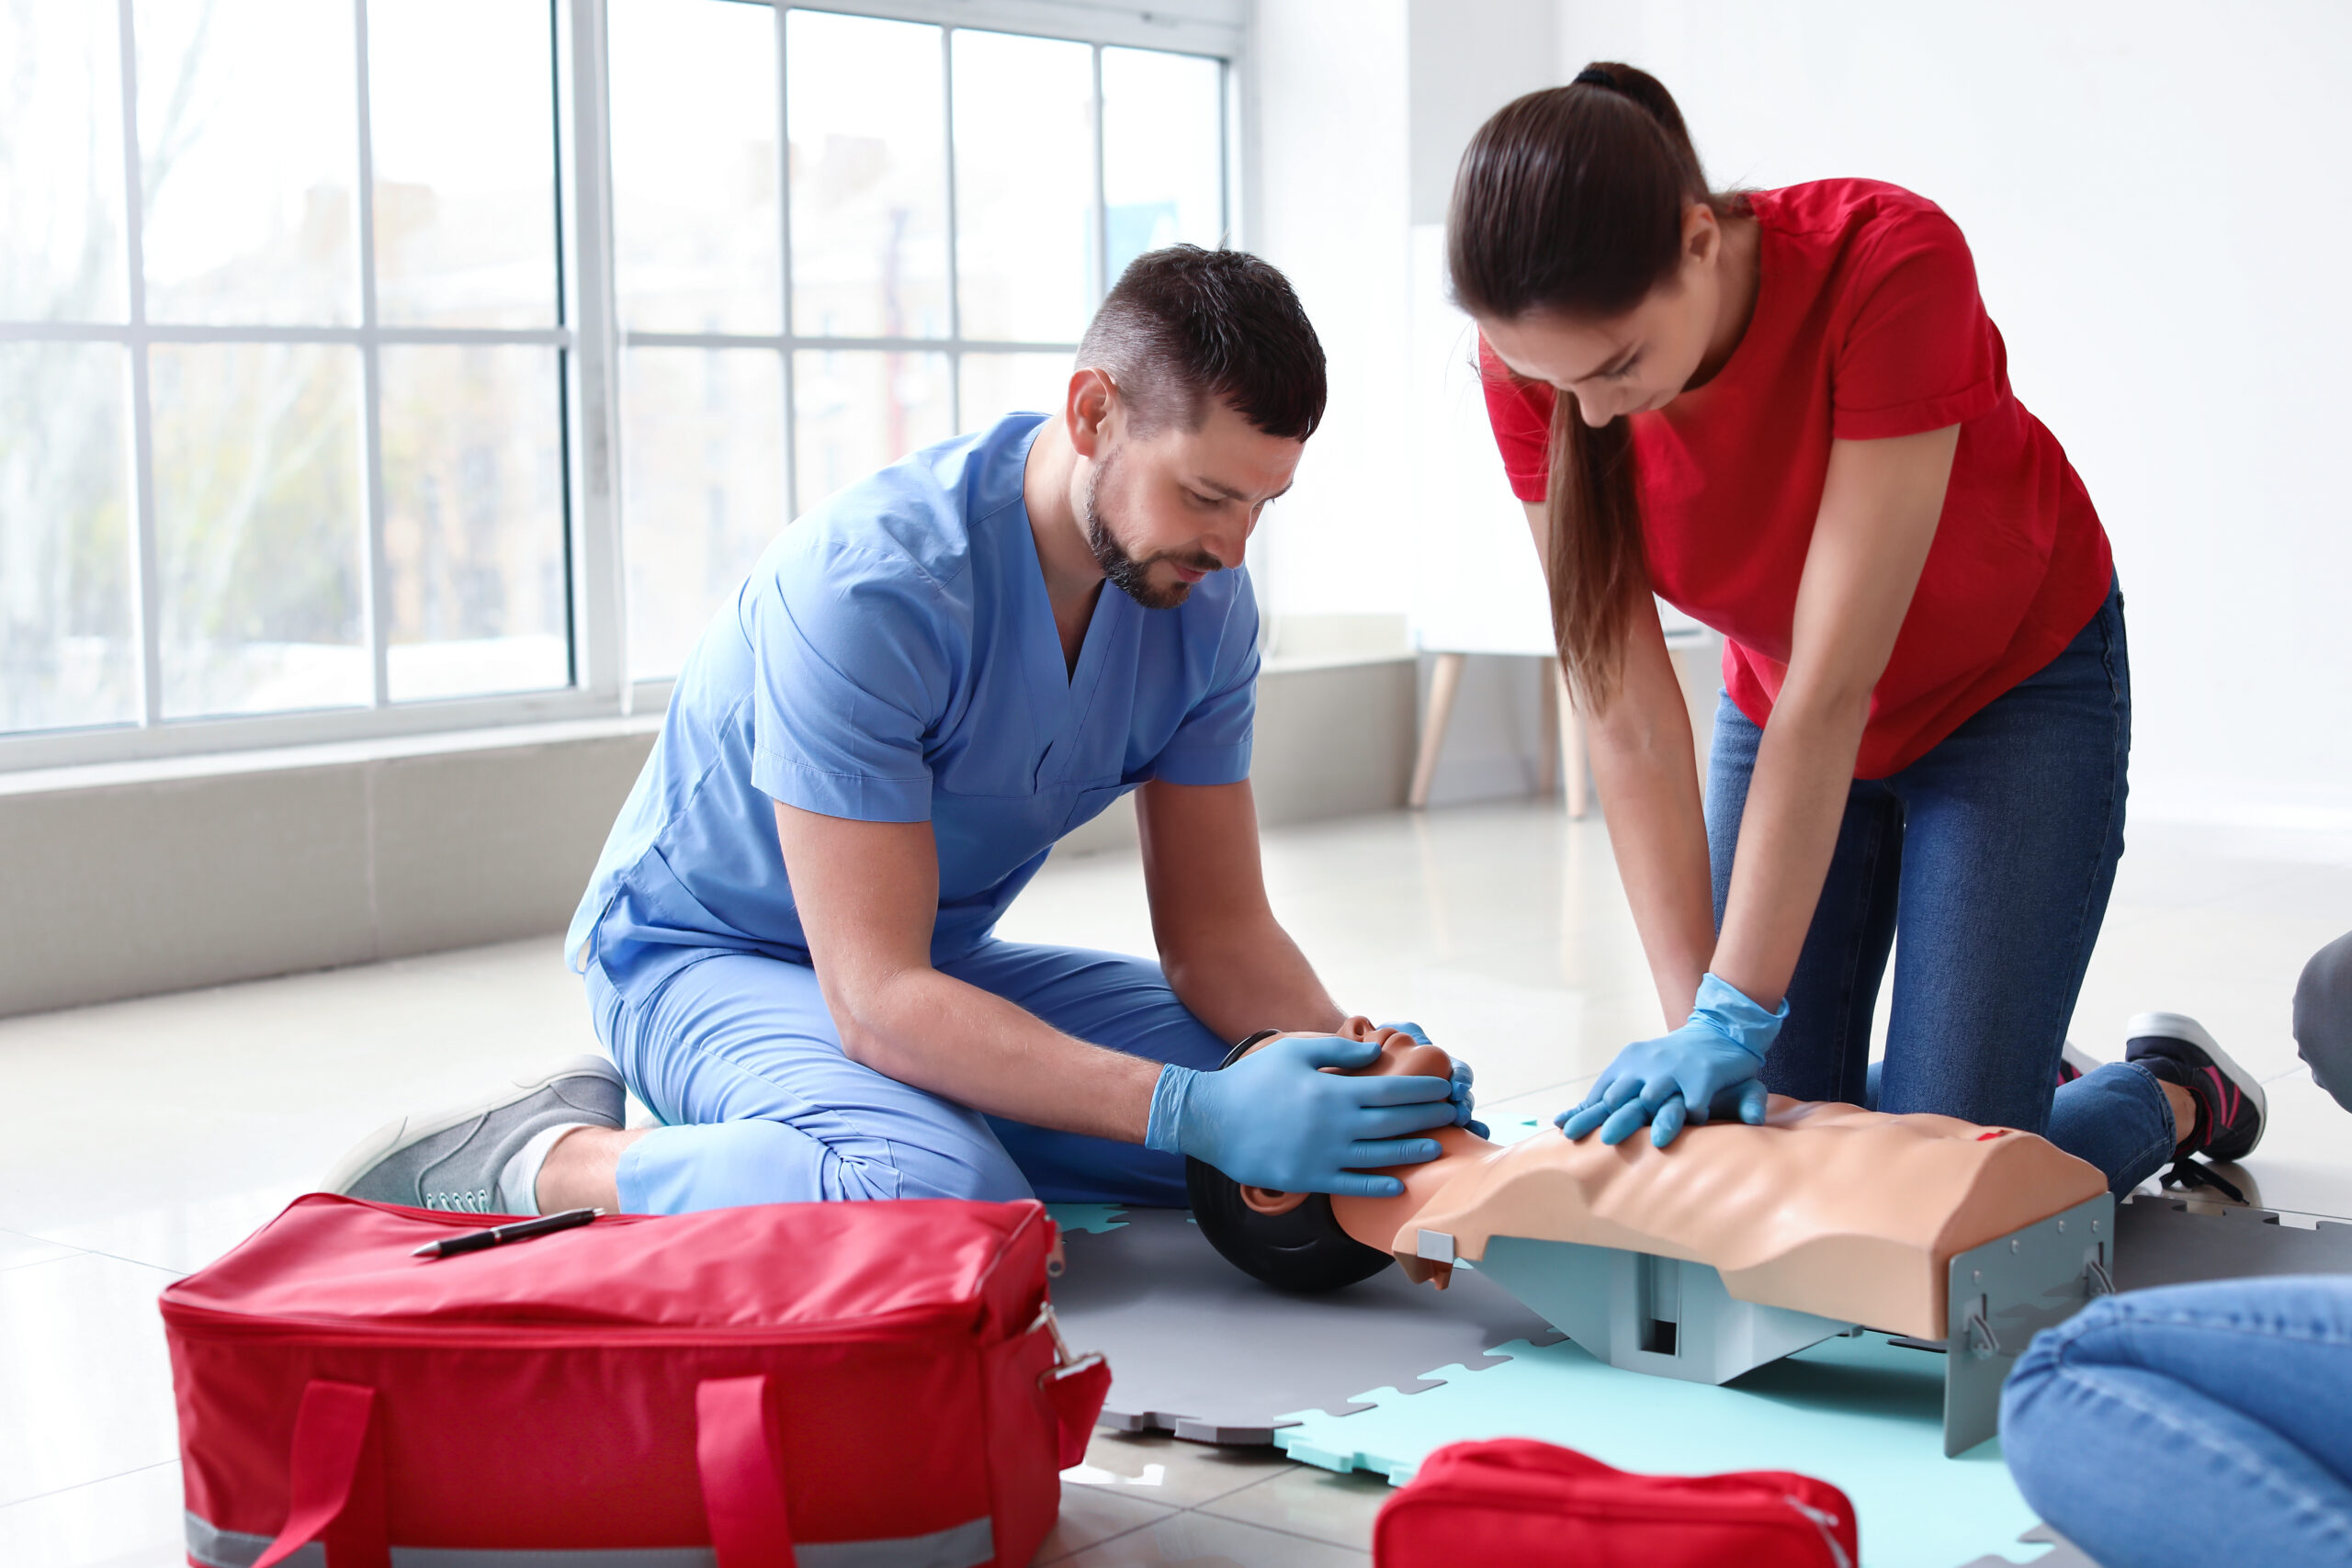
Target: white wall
{"points": [[1362, 108], [1467, 60], [2155, 197], [1330, 206]]}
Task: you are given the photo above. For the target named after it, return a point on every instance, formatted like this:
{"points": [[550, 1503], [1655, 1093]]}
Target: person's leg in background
{"points": [[738, 1057], [2192, 1426], [2324, 1019], [1106, 999], [1822, 1052], [2014, 825]]}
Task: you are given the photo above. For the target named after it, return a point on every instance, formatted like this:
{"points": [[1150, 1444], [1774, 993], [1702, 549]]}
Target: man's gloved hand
{"points": [[1708, 1064], [1273, 1119], [1465, 1104]]}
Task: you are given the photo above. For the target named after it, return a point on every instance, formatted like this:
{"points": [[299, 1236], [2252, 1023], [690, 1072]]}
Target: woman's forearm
{"points": [[1645, 766], [1879, 509], [1796, 800]]}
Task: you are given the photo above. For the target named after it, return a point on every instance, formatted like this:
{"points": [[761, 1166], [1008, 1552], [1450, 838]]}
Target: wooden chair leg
{"points": [[1547, 741], [1571, 745], [1446, 684]]}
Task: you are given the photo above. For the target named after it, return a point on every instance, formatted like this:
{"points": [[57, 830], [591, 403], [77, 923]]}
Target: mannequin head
{"points": [[1401, 1056]]}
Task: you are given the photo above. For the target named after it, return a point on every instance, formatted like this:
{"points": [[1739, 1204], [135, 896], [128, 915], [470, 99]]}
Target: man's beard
{"points": [[1129, 574]]}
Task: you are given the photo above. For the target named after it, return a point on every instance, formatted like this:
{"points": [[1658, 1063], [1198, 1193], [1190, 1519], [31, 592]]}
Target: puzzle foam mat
{"points": [[1199, 1349], [2162, 1241], [1862, 1414]]}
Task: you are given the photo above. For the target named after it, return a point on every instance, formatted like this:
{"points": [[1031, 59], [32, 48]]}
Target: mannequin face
{"points": [[1400, 1056], [1636, 362]]}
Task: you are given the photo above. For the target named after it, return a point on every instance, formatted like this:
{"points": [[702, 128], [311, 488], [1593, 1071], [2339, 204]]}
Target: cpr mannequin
{"points": [[1824, 1208]]}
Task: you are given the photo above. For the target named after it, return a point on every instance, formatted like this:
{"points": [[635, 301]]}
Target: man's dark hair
{"points": [[1183, 326]]}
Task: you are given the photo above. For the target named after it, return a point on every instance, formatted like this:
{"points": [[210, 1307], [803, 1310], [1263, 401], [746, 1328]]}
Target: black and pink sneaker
{"points": [[2072, 1063], [2229, 1104]]}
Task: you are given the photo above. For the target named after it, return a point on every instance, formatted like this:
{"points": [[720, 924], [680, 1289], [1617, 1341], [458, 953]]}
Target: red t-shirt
{"points": [[1867, 325]]}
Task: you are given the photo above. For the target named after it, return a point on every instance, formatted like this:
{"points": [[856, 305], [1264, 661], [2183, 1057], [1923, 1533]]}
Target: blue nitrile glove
{"points": [[1708, 1064], [1465, 1104], [1273, 1119]]}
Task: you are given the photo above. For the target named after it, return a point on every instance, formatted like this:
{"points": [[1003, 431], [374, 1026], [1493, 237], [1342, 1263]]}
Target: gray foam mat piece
{"points": [[2162, 1241], [1201, 1349]]}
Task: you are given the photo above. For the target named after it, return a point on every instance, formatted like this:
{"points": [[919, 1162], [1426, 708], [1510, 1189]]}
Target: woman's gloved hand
{"points": [[1274, 1119], [1708, 1064], [1465, 1104]]}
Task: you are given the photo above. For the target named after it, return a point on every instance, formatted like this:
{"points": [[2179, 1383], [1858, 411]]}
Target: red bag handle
{"points": [[1074, 1387], [335, 1480], [741, 1461]]}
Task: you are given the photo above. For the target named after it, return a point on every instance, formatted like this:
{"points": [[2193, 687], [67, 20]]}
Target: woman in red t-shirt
{"points": [[1786, 413]]}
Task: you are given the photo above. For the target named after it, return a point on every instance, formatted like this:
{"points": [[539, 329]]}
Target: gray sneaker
{"points": [[450, 1158]]}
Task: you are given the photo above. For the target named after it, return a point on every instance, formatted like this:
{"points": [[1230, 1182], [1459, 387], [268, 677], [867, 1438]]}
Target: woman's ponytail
{"points": [[1570, 202]]}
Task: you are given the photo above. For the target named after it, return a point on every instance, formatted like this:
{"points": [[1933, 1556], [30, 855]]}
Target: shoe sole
{"points": [[401, 1131], [2180, 1026]]}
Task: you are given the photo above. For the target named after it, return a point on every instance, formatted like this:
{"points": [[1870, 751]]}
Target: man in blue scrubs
{"points": [[921, 686]]}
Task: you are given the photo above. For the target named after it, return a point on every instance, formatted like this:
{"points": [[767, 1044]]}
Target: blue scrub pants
{"points": [[1994, 856], [738, 1055]]}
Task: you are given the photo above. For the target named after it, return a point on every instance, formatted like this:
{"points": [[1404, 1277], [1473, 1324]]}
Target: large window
{"points": [[396, 365], [920, 260]]}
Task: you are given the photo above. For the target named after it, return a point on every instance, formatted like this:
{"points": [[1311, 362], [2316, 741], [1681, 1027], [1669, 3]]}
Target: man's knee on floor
{"points": [[761, 1161]]}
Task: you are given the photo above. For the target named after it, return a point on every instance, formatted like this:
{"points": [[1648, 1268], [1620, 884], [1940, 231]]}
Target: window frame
{"points": [[589, 342]]}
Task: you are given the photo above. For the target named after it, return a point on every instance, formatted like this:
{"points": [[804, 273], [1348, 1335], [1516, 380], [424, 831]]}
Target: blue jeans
{"points": [[2197, 1425], [739, 1057], [1994, 856]]}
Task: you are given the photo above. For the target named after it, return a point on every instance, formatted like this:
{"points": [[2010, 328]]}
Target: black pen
{"points": [[498, 1235]]}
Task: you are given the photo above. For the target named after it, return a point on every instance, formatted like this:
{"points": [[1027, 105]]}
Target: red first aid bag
{"points": [[1515, 1500], [792, 1384]]}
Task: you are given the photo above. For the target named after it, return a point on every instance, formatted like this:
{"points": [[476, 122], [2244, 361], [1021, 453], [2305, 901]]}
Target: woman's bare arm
{"points": [[1878, 510], [1645, 766]]}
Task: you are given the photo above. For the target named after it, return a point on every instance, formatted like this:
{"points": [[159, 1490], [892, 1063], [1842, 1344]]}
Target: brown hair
{"points": [[1184, 324], [1570, 201]]}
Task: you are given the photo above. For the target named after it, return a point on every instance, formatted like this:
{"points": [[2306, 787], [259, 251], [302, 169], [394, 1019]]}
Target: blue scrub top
{"points": [[892, 658]]}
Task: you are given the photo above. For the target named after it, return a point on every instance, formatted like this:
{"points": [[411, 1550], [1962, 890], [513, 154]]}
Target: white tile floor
{"points": [[148, 1136]]}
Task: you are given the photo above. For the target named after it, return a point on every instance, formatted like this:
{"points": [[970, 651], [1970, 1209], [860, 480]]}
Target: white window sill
{"points": [[329, 754]]}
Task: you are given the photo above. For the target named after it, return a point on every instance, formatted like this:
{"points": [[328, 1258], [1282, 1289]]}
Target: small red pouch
{"points": [[1515, 1500]]}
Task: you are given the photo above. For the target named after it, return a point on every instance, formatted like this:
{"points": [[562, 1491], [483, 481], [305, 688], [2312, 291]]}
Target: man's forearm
{"points": [[956, 1041], [1252, 978]]}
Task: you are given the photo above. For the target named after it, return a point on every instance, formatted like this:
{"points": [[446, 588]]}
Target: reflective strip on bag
{"points": [[962, 1546]]}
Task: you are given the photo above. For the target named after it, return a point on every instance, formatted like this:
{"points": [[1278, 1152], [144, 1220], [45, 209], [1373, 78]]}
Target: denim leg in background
{"points": [[2193, 1426], [1994, 856]]}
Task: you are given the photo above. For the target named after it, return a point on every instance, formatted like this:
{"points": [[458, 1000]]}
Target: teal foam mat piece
{"points": [[1862, 1413], [1095, 1219]]}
